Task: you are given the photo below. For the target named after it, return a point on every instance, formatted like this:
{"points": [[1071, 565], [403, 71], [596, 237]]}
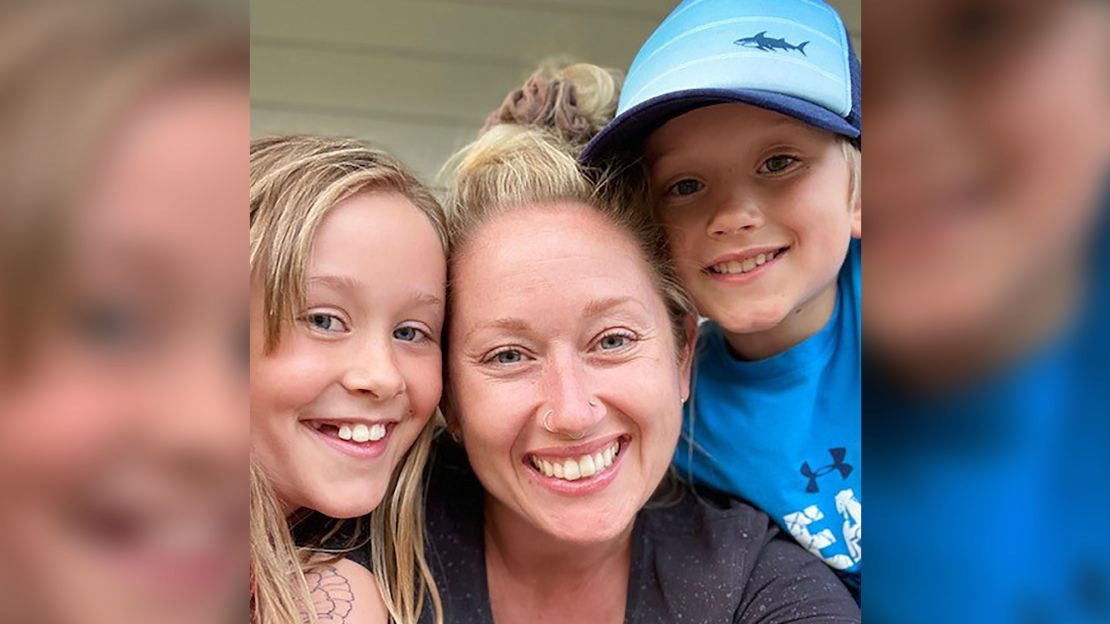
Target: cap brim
{"points": [[628, 130]]}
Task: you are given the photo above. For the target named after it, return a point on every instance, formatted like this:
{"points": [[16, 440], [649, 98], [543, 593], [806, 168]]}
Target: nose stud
{"points": [[547, 426]]}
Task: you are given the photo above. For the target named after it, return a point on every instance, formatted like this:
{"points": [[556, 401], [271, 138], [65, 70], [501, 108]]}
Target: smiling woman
{"points": [[568, 363]]}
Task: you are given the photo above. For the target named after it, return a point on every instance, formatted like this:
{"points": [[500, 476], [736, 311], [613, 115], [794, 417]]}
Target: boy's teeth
{"points": [[743, 266], [345, 432], [582, 468]]}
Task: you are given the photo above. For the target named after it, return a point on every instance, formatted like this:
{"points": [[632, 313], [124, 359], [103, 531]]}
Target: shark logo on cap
{"points": [[767, 44]]}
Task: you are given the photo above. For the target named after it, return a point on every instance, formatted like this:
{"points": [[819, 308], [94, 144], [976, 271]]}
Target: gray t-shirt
{"points": [[707, 558]]}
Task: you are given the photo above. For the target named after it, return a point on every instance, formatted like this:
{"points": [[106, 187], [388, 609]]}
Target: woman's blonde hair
{"points": [[526, 157], [295, 181]]}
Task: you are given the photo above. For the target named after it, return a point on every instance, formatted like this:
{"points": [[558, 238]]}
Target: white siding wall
{"points": [[418, 77]]}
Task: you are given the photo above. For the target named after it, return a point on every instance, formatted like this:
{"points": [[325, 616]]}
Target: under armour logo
{"points": [[837, 465]]}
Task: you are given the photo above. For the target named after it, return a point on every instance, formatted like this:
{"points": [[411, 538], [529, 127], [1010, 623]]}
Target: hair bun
{"points": [[577, 101]]}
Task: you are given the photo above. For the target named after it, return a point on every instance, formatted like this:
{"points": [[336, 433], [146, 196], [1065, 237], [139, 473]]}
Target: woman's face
{"points": [[122, 450], [350, 385], [556, 318]]}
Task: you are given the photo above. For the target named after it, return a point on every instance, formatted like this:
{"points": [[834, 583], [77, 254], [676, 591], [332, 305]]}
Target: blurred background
{"points": [[419, 77]]}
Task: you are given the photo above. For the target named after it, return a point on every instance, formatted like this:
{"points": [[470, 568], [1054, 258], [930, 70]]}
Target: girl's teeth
{"points": [[377, 432], [582, 468], [362, 433]]}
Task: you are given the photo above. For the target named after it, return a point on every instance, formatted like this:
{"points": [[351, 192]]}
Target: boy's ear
{"points": [[686, 360], [857, 216]]}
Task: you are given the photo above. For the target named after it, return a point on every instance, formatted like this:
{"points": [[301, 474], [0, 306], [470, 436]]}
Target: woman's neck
{"points": [[529, 571]]}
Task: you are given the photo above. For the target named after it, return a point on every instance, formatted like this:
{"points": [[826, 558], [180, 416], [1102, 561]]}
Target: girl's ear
{"points": [[686, 359]]}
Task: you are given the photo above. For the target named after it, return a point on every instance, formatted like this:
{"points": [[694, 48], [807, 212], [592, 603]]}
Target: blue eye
{"points": [[777, 163], [685, 187], [507, 356], [409, 334], [323, 322], [612, 342]]}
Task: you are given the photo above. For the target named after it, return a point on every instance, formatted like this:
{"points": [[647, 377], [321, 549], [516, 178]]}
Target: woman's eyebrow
{"points": [[507, 323], [597, 307]]}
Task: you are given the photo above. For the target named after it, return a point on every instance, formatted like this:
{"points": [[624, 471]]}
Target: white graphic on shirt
{"points": [[850, 510]]}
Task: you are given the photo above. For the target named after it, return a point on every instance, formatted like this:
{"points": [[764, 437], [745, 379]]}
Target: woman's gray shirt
{"points": [[707, 558]]}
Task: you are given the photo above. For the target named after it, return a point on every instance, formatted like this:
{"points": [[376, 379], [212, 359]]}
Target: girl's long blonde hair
{"points": [[295, 181]]}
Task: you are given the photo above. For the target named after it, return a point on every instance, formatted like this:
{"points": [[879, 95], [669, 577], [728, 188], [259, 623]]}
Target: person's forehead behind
{"points": [[146, 205]]}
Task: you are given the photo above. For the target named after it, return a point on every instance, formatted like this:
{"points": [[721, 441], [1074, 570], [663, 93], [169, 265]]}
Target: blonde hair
{"points": [[532, 161], [528, 160], [295, 181]]}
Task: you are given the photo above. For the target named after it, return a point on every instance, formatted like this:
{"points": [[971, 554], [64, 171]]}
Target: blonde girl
{"points": [[347, 259]]}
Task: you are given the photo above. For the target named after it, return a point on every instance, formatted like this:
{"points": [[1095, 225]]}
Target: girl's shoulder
{"points": [[344, 592]]}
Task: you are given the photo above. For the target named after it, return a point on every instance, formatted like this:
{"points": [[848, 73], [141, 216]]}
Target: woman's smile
{"points": [[580, 469]]}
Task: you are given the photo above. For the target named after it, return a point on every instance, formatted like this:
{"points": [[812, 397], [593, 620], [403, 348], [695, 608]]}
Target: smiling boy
{"points": [[746, 117]]}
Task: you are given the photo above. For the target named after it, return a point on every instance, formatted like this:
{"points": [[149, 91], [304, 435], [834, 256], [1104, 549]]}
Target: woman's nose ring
{"points": [[547, 426]]}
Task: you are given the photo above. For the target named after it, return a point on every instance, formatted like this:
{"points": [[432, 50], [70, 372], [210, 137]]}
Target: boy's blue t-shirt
{"points": [[784, 432]]}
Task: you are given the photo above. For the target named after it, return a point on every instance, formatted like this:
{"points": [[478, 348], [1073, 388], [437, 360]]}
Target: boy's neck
{"points": [[802, 323]]}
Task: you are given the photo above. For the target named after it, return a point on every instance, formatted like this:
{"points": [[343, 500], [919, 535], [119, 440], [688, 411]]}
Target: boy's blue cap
{"points": [[790, 56]]}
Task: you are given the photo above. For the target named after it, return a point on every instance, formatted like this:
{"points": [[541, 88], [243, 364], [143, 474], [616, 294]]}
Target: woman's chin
{"points": [[589, 526]]}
